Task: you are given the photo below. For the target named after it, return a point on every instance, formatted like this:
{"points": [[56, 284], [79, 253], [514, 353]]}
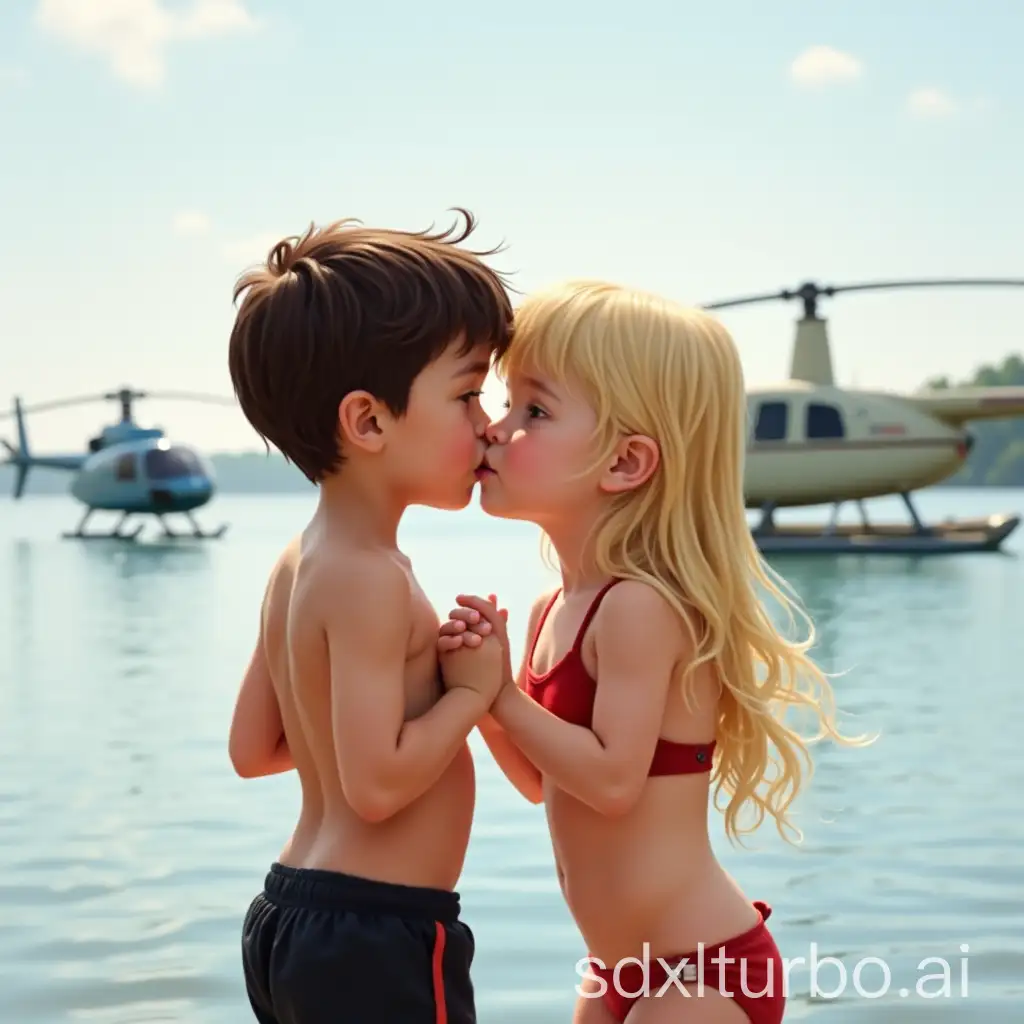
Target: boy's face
{"points": [[435, 449]]}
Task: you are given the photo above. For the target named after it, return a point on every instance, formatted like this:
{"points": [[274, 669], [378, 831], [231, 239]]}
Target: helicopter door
{"points": [[124, 468], [823, 422], [772, 422]]}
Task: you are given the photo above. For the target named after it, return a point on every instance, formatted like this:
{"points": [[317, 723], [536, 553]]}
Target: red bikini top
{"points": [[567, 691]]}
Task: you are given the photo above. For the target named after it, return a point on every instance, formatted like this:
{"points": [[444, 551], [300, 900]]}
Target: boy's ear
{"points": [[632, 464], [361, 421]]}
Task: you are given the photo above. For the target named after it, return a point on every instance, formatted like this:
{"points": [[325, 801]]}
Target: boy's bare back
{"points": [[350, 642]]}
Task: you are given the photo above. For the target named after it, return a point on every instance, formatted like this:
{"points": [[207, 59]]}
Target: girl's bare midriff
{"points": [[647, 877]]}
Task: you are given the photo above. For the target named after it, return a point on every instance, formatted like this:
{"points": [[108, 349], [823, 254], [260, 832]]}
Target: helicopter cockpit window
{"points": [[124, 468], [824, 421], [167, 463], [772, 422]]}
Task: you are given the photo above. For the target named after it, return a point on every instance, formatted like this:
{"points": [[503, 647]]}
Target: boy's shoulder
{"points": [[350, 581]]}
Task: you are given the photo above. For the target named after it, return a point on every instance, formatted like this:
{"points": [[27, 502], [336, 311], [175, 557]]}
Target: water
{"points": [[129, 851]]}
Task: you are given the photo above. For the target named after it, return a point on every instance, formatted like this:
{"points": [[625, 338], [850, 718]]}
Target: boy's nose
{"points": [[494, 434]]}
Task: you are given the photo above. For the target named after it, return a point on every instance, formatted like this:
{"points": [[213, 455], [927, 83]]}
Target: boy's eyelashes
{"points": [[470, 395]]}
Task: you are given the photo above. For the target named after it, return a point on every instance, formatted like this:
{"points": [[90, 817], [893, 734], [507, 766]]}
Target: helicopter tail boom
{"points": [[23, 460], [957, 406]]}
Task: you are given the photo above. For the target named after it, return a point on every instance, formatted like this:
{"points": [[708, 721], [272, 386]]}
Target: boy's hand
{"points": [[476, 626], [479, 668], [467, 627]]}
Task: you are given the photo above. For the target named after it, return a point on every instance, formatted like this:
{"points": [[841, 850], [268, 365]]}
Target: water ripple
{"points": [[129, 853]]}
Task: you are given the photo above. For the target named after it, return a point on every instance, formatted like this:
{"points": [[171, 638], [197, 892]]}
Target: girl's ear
{"points": [[632, 464]]}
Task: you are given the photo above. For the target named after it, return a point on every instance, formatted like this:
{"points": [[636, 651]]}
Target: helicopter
{"points": [[812, 442], [128, 469]]}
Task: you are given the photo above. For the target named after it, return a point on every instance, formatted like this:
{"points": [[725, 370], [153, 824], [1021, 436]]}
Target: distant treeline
{"points": [[997, 459]]}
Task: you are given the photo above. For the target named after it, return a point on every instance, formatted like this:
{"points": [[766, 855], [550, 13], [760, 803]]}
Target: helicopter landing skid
{"points": [[197, 531], [118, 531], [952, 536]]}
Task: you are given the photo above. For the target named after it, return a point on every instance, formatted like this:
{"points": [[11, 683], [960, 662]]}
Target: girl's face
{"points": [[539, 466]]}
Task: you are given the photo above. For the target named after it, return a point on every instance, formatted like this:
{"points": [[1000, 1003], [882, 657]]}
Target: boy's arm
{"points": [[385, 762], [256, 743], [606, 766], [515, 765]]}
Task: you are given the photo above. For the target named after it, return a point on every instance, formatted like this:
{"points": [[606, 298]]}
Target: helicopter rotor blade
{"points": [[190, 396], [950, 282], [116, 396], [810, 292], [748, 300], [57, 403]]}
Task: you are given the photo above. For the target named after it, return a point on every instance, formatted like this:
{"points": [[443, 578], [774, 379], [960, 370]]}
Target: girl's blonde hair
{"points": [[648, 366]]}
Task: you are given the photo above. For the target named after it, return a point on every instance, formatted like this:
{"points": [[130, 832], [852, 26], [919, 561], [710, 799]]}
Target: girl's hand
{"points": [[467, 627]]}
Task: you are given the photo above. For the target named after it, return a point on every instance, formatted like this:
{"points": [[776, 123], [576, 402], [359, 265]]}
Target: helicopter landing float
{"points": [[813, 442], [129, 469]]}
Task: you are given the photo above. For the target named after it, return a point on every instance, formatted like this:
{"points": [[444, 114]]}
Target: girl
{"points": [[653, 670]]}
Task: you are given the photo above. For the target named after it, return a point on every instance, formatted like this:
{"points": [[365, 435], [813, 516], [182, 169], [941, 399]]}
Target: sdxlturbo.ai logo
{"points": [[871, 976]]}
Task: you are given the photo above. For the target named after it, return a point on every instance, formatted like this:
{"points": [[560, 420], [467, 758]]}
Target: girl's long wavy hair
{"points": [[648, 366]]}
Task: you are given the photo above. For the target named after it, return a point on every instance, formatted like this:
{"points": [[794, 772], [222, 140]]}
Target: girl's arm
{"points": [[511, 760], [515, 765], [637, 639]]}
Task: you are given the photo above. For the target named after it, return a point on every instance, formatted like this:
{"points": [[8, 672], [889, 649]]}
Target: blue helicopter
{"points": [[128, 469]]}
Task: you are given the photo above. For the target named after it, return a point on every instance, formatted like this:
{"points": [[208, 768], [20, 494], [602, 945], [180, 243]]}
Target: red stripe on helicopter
{"points": [[889, 429]]}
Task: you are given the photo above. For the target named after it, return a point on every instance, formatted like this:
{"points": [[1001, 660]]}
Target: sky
{"points": [[152, 150]]}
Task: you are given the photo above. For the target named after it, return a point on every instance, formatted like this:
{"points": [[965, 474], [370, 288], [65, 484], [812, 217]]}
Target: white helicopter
{"points": [[813, 442], [128, 469]]}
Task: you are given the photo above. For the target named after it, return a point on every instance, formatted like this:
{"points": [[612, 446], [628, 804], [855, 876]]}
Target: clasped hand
{"points": [[472, 647]]}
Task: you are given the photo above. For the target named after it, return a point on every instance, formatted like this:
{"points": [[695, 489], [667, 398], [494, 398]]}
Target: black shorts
{"points": [[321, 946]]}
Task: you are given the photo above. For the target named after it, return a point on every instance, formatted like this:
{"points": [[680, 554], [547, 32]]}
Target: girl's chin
{"points": [[491, 502]]}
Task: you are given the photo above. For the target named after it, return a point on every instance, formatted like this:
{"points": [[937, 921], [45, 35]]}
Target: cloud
{"points": [[823, 65], [929, 102], [133, 35], [191, 222]]}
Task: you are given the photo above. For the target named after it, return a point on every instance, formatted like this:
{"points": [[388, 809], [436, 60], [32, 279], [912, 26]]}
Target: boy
{"points": [[360, 354]]}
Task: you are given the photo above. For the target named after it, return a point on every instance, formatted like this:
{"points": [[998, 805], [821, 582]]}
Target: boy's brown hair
{"points": [[345, 308]]}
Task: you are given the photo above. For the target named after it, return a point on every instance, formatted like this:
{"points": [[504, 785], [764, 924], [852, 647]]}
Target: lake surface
{"points": [[129, 851]]}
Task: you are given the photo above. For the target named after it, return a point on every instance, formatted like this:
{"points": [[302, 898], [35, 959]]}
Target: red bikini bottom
{"points": [[752, 974]]}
